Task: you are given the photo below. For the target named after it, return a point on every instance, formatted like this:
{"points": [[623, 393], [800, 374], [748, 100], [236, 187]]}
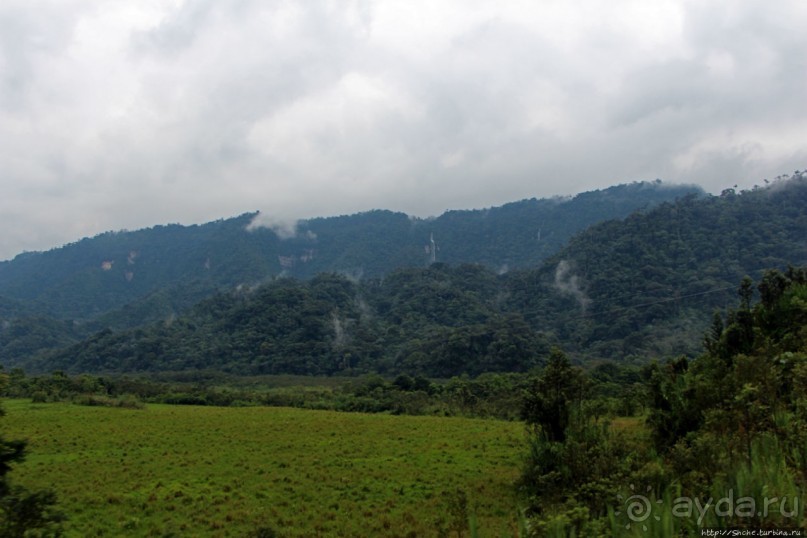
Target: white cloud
{"points": [[128, 114]]}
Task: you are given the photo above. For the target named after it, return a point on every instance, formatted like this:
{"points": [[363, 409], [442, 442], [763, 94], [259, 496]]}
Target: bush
{"points": [[126, 401], [39, 396]]}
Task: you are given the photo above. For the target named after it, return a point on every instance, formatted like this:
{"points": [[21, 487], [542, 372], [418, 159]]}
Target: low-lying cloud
{"points": [[568, 283], [128, 114], [283, 228]]}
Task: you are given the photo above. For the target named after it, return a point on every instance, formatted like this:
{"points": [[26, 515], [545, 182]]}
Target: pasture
{"points": [[207, 471]]}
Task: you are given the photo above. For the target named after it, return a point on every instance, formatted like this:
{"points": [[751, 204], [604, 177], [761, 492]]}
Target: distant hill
{"points": [[647, 286], [157, 272], [627, 290], [439, 321], [516, 235]]}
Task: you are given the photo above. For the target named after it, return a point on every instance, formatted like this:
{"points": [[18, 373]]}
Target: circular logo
{"points": [[637, 507]]}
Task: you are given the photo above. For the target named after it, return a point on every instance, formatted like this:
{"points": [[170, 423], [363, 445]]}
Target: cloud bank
{"points": [[127, 114]]}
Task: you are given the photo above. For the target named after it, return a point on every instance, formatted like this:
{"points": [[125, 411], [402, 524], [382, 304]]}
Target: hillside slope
{"points": [[162, 270], [648, 285], [625, 290]]}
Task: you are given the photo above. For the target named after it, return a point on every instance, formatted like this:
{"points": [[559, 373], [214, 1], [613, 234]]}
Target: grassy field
{"points": [[204, 471]]}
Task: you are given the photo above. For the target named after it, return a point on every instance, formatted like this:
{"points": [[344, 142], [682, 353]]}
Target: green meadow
{"points": [[254, 471]]}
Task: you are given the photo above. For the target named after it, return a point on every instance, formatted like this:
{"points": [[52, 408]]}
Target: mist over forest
{"points": [[648, 306]]}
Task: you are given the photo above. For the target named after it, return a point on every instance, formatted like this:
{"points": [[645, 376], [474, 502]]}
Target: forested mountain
{"points": [[648, 285], [439, 321], [96, 275], [516, 235], [162, 270], [633, 289]]}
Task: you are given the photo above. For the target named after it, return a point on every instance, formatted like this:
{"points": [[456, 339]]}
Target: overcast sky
{"points": [[121, 115]]}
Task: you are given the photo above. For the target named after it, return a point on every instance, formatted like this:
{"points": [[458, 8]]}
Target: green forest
{"points": [[167, 268], [730, 422], [627, 290], [655, 362], [716, 441]]}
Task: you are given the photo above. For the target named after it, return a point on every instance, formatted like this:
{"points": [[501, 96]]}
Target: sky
{"points": [[122, 115]]}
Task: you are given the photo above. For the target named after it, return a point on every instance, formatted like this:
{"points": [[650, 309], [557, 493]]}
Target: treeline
{"points": [[727, 430], [618, 391]]}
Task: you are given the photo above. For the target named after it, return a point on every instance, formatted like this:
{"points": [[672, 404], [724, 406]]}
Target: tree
{"points": [[21, 510], [550, 397]]}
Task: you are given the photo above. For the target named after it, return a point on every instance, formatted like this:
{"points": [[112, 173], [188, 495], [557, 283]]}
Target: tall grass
{"points": [[255, 471], [762, 493]]}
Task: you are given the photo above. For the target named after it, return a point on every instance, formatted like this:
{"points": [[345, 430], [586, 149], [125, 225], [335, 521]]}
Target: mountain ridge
{"points": [[627, 290], [91, 277]]}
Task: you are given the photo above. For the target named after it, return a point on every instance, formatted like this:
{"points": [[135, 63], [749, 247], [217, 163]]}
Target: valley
{"points": [[664, 348]]}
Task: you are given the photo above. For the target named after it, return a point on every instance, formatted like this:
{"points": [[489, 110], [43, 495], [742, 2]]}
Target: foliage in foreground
{"points": [[24, 512], [727, 431]]}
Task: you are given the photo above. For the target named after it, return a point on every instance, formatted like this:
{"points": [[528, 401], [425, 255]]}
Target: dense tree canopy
{"points": [[627, 290], [728, 424], [165, 269]]}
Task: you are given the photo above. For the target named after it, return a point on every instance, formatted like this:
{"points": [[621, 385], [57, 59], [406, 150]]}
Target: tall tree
{"points": [[550, 399]]}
